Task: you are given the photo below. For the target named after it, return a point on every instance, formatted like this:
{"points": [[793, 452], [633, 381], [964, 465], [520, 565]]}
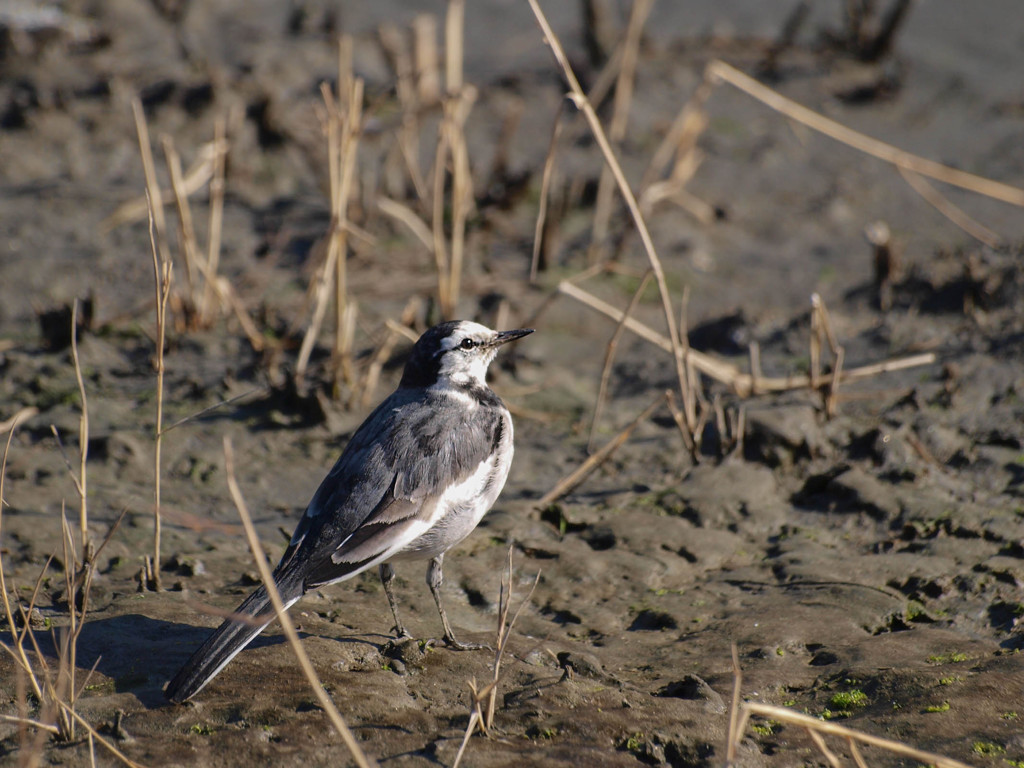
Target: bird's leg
{"points": [[434, 580], [387, 576]]}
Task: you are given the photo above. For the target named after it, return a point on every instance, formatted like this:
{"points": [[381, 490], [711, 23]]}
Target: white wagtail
{"points": [[414, 481]]}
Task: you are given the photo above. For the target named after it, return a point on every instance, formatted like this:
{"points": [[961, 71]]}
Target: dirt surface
{"points": [[868, 567]]}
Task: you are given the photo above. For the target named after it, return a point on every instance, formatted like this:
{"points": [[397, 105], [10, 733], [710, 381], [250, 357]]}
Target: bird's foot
{"points": [[401, 633]]}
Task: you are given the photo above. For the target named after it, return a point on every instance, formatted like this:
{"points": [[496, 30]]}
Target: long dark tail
{"points": [[229, 638]]}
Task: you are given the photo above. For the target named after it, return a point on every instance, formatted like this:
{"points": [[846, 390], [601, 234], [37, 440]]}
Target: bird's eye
{"points": [[467, 344]]}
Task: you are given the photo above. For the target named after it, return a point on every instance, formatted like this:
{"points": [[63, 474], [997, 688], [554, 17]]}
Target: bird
{"points": [[413, 481]]}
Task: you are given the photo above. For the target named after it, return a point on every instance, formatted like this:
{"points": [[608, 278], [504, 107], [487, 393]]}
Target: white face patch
{"points": [[467, 366]]}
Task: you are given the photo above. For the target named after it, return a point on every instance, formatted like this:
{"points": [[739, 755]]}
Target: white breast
{"points": [[462, 506]]}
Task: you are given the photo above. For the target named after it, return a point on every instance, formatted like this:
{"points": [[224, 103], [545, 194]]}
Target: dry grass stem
{"points": [[341, 192], [855, 753], [890, 154], [396, 50], [578, 475], [755, 367], [681, 139], [405, 215], [581, 102], [545, 190], [425, 57], [103, 742], [680, 142], [214, 407], [739, 382], [832, 395], [55, 690], [162, 271], [451, 145], [955, 214], [462, 186], [383, 353], [405, 331], [830, 728], [609, 358], [343, 129], [20, 415], [282, 615], [83, 442], [454, 29], [504, 632], [154, 198], [620, 117], [734, 710], [816, 728], [606, 78], [227, 294], [219, 160], [17, 650], [195, 178], [27, 721], [373, 371], [477, 717], [186, 229]]}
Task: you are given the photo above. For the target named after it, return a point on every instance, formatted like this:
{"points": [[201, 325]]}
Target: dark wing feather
{"points": [[383, 487]]}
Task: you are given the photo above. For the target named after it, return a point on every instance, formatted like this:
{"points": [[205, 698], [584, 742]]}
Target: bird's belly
{"points": [[460, 509]]}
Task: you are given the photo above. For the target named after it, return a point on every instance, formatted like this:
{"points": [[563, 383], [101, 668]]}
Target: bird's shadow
{"points": [[139, 654]]}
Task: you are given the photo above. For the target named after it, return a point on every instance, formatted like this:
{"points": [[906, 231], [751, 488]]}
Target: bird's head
{"points": [[458, 352]]}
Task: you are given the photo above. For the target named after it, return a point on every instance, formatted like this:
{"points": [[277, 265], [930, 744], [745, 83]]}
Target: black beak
{"points": [[504, 337]]}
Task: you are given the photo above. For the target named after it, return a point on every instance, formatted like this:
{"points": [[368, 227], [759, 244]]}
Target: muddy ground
{"points": [[868, 567]]}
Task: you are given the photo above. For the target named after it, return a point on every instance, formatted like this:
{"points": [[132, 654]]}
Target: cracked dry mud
{"points": [[869, 567]]}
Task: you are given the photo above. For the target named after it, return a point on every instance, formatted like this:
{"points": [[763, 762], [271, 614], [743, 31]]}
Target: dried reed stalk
{"points": [[489, 693], [584, 105], [186, 229], [206, 307], [343, 130], [153, 195], [620, 120], [742, 384], [94, 735], [20, 415], [82, 483], [405, 215], [162, 271], [952, 212], [504, 631], [609, 358], [451, 145], [545, 190], [578, 475], [17, 652], [195, 178], [719, 70], [282, 614], [819, 727], [56, 693], [425, 58], [454, 31], [396, 49], [457, 112], [680, 142], [383, 352]]}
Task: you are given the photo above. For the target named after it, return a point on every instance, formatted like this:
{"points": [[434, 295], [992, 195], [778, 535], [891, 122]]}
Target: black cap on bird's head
{"points": [[458, 350]]}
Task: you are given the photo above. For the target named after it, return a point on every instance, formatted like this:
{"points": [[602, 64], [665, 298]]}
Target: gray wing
{"points": [[382, 493]]}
